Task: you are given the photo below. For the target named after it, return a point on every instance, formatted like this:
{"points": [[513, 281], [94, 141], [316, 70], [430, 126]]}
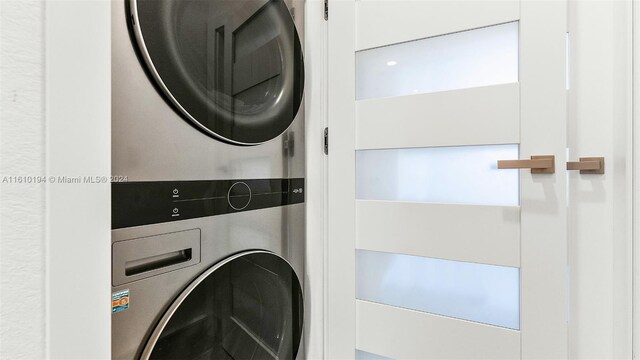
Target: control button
{"points": [[176, 193], [239, 195], [175, 212]]}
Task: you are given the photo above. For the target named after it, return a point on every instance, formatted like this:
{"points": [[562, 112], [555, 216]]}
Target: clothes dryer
{"points": [[208, 132]]}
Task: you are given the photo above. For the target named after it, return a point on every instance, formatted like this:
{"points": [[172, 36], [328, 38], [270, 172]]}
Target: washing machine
{"points": [[208, 231]]}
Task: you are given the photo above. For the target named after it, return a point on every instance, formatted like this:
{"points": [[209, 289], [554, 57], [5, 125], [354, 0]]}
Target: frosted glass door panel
{"points": [[480, 57], [363, 355], [487, 294], [451, 175]]}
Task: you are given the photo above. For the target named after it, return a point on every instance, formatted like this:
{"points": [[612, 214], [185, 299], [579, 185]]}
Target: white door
{"points": [[434, 252]]}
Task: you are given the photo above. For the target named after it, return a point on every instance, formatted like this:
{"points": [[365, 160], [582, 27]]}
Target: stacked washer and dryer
{"points": [[208, 231]]}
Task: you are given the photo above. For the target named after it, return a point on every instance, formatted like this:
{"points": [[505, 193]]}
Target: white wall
{"points": [[55, 121], [22, 207]]}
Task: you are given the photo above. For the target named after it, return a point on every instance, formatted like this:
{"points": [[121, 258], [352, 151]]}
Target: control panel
{"points": [[152, 202]]}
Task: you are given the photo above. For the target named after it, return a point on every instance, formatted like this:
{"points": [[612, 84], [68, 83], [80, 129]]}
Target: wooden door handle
{"points": [[539, 164], [587, 165]]}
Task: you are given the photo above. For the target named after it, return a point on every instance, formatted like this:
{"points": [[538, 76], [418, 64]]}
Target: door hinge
{"points": [[326, 9], [289, 143], [326, 141]]}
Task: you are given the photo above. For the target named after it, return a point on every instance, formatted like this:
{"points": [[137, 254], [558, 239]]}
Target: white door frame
{"points": [[600, 208], [340, 264], [78, 216], [636, 180], [315, 123]]}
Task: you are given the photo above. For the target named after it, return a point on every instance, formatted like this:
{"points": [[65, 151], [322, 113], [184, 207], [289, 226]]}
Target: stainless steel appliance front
{"points": [[155, 142]]}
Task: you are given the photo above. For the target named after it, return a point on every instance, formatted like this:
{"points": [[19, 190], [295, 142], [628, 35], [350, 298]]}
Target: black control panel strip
{"points": [[152, 202]]}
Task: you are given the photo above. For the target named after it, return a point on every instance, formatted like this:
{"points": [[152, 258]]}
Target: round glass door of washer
{"points": [[234, 68], [248, 306]]}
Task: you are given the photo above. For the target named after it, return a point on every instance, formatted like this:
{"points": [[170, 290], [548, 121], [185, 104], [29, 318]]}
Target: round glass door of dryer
{"points": [[249, 306], [234, 68]]}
